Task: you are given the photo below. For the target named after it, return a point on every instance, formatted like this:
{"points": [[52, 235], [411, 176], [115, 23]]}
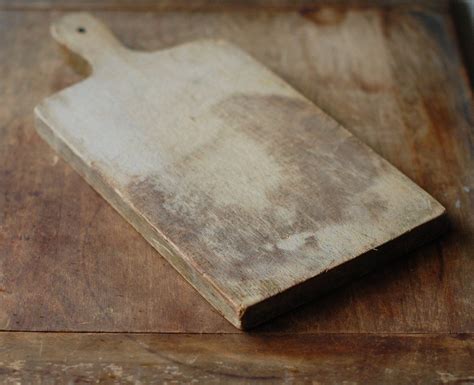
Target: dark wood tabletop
{"points": [[85, 299]]}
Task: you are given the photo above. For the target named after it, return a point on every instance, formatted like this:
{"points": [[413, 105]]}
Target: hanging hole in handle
{"points": [[81, 30]]}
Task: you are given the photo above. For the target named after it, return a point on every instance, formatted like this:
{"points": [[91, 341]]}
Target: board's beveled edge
{"points": [[91, 175], [338, 275]]}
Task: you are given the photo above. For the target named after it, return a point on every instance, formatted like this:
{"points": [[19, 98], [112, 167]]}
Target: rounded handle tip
{"points": [[85, 35]]}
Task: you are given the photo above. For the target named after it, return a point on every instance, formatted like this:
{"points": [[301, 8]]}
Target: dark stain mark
{"points": [[324, 169], [375, 205], [311, 240], [325, 15]]}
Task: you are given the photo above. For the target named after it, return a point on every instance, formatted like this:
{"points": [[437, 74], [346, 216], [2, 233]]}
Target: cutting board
{"points": [[257, 197]]}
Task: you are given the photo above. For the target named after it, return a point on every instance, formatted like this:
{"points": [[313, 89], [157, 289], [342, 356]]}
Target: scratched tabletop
{"points": [[390, 72]]}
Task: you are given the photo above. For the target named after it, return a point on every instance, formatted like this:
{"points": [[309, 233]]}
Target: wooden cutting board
{"points": [[256, 196]]}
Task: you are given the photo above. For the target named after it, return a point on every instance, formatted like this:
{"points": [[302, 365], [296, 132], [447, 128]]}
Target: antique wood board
{"points": [[64, 267], [256, 196]]}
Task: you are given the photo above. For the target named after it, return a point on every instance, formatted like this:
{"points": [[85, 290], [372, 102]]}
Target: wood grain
{"points": [[27, 358], [257, 197], [63, 266]]}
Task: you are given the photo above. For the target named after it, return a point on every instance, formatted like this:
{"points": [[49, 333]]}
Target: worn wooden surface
{"points": [[235, 359], [68, 262], [402, 89], [256, 196]]}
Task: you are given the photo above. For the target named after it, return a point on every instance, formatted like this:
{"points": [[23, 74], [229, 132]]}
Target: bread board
{"points": [[256, 196]]}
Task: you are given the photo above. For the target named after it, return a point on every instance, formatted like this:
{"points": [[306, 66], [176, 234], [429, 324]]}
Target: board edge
{"points": [[91, 175], [337, 276]]}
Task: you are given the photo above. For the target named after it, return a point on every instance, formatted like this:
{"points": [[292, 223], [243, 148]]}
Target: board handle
{"points": [[87, 37]]}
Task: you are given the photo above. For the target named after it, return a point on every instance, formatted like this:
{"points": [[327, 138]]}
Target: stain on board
{"points": [[262, 191]]}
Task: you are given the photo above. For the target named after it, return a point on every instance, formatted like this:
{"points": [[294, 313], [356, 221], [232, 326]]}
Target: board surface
{"points": [[256, 196]]}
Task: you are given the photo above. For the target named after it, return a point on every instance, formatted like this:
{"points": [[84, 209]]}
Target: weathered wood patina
{"points": [[255, 195]]}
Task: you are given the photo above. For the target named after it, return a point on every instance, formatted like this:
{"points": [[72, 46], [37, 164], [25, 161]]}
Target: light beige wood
{"points": [[257, 197]]}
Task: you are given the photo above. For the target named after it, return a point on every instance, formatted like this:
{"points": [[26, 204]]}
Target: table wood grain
{"points": [[394, 78], [78, 358]]}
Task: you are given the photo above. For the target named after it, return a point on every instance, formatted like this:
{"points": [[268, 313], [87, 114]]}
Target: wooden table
{"points": [[70, 264]]}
